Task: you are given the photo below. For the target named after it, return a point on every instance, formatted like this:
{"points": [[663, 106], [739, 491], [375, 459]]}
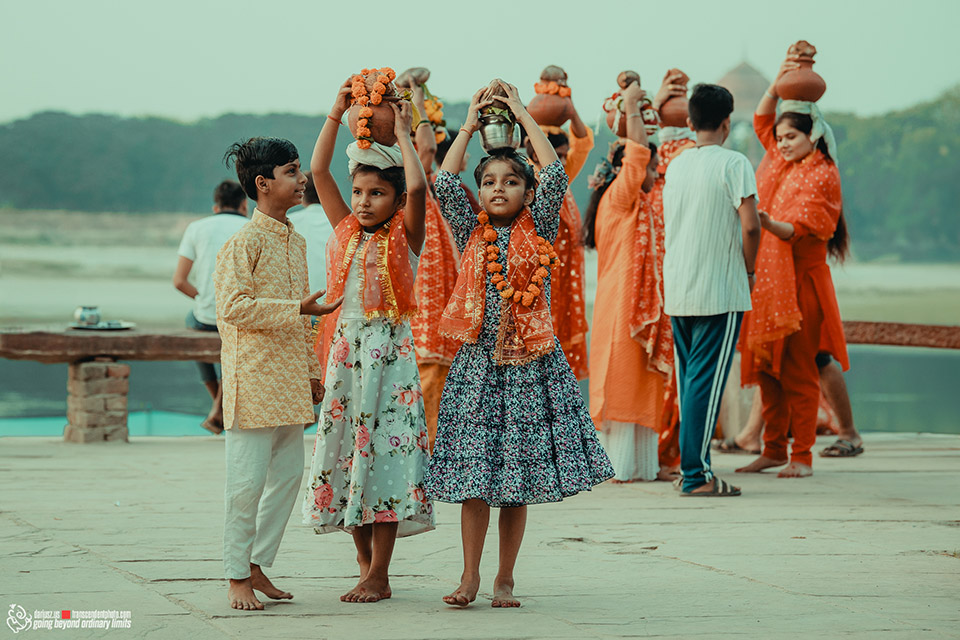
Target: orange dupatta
{"points": [[386, 277], [525, 333]]}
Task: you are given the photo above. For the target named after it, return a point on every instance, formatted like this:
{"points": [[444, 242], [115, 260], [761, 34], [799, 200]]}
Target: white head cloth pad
{"points": [[378, 155], [669, 134], [820, 127]]}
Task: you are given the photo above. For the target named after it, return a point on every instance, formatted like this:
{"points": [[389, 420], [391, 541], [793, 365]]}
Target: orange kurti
{"points": [[795, 313], [567, 302], [623, 386]]}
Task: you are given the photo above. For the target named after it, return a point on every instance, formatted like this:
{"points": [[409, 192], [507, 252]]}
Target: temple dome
{"points": [[747, 86]]}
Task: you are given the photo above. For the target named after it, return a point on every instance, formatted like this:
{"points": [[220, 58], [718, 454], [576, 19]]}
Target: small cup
{"points": [[87, 315]]}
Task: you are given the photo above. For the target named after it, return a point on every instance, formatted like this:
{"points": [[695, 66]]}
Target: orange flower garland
{"points": [[435, 115], [552, 88], [546, 256], [361, 96]]}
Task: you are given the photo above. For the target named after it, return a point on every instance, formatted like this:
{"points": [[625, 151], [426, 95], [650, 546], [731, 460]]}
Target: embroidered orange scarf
{"points": [[386, 277], [789, 193], [567, 284], [525, 333]]}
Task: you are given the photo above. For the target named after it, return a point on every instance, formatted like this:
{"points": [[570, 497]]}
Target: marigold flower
{"points": [[544, 260], [363, 100], [362, 122], [363, 132], [363, 144], [376, 98], [541, 272], [390, 73], [507, 293], [565, 92], [490, 235], [537, 279], [533, 290], [483, 218], [503, 284], [366, 112], [517, 295], [383, 79], [496, 278], [527, 299], [379, 87], [494, 267]]}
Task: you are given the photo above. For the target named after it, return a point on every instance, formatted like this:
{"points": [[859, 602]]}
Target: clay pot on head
{"points": [[648, 115], [674, 112], [626, 77], [549, 109], [803, 83], [553, 73], [381, 124], [412, 76]]}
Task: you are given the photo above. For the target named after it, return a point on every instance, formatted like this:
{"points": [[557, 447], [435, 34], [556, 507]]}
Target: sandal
{"points": [[841, 449], [720, 490], [730, 446]]}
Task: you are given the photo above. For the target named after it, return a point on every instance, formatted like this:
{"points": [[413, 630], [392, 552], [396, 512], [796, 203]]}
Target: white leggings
{"points": [[264, 471], [632, 449]]}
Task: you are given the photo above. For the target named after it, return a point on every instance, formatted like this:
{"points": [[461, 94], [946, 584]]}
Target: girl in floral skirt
{"points": [[513, 429], [366, 476]]}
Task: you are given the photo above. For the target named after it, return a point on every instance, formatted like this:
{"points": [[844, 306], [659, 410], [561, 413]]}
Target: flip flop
{"points": [[841, 449], [720, 490], [731, 446]]}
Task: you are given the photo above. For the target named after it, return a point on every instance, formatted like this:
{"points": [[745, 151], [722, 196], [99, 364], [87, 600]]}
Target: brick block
{"points": [[88, 403], [112, 386], [72, 433], [117, 433], [115, 403], [113, 418], [118, 371], [85, 419], [87, 370]]}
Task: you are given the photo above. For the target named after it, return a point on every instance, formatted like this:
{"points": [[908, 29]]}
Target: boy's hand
{"points": [[402, 119], [316, 390], [477, 102], [310, 307], [343, 99], [632, 96], [669, 89]]}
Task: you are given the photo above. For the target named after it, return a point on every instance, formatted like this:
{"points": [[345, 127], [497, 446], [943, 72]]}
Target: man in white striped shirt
{"points": [[712, 233]]}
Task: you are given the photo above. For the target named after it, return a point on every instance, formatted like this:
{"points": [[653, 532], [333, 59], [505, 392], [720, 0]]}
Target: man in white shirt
{"points": [[194, 277], [311, 222], [712, 233]]}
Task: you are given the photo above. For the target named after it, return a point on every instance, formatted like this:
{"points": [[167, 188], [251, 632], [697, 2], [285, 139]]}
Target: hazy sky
{"points": [[187, 59]]}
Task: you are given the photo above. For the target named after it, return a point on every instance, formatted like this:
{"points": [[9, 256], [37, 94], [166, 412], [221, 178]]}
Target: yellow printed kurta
{"points": [[266, 345]]}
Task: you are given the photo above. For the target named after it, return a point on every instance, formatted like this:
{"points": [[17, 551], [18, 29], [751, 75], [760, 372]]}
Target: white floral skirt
{"points": [[371, 450]]}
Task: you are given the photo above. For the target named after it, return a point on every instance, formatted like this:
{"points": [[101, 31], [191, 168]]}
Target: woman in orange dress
{"points": [[626, 385], [795, 314]]}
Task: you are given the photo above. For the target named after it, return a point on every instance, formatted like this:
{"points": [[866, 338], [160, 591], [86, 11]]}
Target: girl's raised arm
{"points": [[327, 190], [426, 140], [415, 208], [541, 146], [454, 158]]}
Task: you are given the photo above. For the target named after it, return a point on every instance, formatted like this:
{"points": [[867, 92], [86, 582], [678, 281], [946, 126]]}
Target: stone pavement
{"points": [[866, 548]]}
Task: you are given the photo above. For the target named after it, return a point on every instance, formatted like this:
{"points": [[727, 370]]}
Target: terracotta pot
{"points": [[673, 112], [549, 109], [803, 83], [649, 117], [624, 78], [412, 76], [381, 125]]}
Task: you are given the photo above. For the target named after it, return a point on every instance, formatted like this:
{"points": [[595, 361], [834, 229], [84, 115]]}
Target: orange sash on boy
{"points": [[386, 277], [525, 333]]}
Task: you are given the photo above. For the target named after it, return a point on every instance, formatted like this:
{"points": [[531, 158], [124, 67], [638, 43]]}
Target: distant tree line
{"points": [[901, 171]]}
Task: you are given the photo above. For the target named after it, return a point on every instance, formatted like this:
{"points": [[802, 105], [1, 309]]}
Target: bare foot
{"points": [[795, 470], [760, 464], [262, 584], [615, 481], [668, 474], [241, 596], [503, 594], [368, 590], [465, 593]]}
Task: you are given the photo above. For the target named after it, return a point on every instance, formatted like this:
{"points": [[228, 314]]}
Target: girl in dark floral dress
{"points": [[513, 429]]}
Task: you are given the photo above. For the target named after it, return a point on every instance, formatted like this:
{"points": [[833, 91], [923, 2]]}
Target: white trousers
{"points": [[632, 449], [264, 472]]}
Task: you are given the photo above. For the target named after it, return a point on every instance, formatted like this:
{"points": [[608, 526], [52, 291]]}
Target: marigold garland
{"points": [[361, 96], [546, 256], [552, 88]]}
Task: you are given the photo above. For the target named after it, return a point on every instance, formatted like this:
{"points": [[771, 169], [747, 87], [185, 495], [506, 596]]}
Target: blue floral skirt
{"points": [[513, 435]]}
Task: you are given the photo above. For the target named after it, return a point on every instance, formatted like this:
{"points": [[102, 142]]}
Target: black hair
{"points": [[838, 246], [229, 195], [394, 176], [310, 191], [709, 106], [443, 146], [517, 160], [590, 217], [258, 157], [556, 140]]}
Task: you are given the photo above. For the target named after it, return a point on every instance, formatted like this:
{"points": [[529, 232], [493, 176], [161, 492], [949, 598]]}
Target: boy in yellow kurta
{"points": [[271, 377]]}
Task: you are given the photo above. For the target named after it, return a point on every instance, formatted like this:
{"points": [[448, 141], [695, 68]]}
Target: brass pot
{"points": [[498, 132]]}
